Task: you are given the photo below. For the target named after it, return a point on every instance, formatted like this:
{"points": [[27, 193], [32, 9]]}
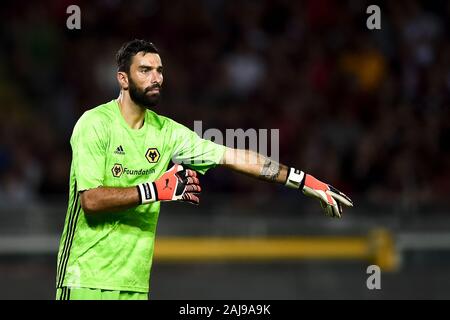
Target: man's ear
{"points": [[122, 77]]}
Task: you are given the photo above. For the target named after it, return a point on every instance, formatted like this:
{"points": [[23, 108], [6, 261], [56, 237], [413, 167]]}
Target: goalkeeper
{"points": [[120, 154]]}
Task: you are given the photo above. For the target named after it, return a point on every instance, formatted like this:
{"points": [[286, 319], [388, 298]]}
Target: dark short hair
{"points": [[130, 49]]}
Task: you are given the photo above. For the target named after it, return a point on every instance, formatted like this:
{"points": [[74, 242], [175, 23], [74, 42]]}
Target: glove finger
{"points": [[325, 196], [191, 173], [191, 198], [192, 180], [330, 212], [341, 196], [333, 209], [326, 208], [328, 203], [319, 194], [193, 188], [336, 211], [342, 199]]}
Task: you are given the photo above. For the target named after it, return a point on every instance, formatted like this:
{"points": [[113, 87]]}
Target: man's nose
{"points": [[156, 77]]}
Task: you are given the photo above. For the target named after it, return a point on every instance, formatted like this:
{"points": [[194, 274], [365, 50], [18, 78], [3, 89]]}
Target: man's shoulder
{"points": [[103, 113], [97, 119], [160, 121]]}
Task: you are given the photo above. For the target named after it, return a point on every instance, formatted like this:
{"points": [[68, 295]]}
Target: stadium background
{"points": [[365, 110]]}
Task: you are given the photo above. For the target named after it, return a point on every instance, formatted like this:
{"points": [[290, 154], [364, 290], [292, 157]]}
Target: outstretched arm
{"points": [[258, 166], [255, 165]]}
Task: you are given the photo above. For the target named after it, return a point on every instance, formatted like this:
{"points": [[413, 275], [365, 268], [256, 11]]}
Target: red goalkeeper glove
{"points": [[331, 199], [176, 184]]}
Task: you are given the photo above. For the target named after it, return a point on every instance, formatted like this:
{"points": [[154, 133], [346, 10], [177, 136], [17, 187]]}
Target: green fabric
{"points": [[98, 294], [114, 251]]}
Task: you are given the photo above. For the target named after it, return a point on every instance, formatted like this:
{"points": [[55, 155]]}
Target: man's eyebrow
{"points": [[149, 67]]}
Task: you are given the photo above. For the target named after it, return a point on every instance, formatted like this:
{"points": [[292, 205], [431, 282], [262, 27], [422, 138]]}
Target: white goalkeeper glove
{"points": [[331, 199]]}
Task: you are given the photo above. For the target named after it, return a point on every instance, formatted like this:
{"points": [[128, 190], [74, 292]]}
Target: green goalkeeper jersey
{"points": [[114, 250]]}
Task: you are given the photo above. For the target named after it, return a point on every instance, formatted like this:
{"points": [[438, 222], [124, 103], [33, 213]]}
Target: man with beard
{"points": [[120, 154]]}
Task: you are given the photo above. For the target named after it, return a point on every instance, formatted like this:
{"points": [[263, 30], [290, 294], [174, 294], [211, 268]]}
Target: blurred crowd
{"points": [[365, 110]]}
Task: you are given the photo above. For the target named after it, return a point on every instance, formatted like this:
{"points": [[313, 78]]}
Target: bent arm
{"points": [[176, 184], [255, 165], [106, 199]]}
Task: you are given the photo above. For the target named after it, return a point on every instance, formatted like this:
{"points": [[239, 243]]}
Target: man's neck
{"points": [[132, 113]]}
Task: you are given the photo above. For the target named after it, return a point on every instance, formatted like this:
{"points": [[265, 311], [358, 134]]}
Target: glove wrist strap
{"points": [[147, 192], [295, 179]]}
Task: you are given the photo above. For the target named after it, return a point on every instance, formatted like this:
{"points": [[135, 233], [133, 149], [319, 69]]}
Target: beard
{"points": [[140, 96]]}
